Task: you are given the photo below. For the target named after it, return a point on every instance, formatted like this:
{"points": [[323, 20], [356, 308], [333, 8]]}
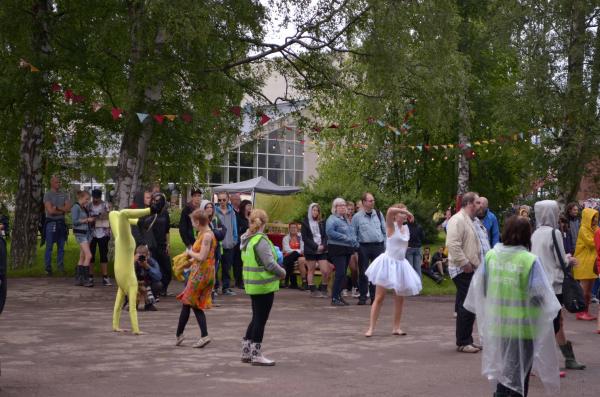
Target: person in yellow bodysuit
{"points": [[127, 283], [585, 253]]}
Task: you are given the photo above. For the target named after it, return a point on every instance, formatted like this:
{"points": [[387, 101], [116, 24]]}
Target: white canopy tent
{"points": [[256, 185]]}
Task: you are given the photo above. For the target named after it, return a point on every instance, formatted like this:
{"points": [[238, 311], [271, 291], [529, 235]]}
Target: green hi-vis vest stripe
{"points": [[508, 294], [257, 280]]}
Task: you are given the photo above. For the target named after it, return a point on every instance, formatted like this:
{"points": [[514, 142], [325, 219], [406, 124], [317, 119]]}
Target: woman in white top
{"points": [[391, 270]]}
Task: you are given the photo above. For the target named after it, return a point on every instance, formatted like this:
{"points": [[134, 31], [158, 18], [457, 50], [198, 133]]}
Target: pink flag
{"points": [[116, 113], [264, 119], [187, 118], [159, 118]]}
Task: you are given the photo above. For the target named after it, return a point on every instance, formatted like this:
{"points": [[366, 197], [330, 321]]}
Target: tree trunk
{"points": [[463, 139], [133, 154], [574, 152], [28, 199], [29, 194]]}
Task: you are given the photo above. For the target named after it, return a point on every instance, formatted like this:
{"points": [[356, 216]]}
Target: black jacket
{"points": [[416, 235], [310, 247], [186, 229]]}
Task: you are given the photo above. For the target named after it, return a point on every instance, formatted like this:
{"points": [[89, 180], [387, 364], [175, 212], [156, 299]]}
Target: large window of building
{"points": [[278, 156]]}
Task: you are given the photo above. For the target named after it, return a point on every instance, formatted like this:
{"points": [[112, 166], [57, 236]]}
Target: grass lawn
{"points": [[72, 256]]}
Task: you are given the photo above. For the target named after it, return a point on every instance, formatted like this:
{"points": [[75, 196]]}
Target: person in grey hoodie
{"points": [[542, 245]]}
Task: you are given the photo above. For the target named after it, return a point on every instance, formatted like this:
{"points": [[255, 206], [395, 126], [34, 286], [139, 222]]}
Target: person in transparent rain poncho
{"points": [[515, 306]]}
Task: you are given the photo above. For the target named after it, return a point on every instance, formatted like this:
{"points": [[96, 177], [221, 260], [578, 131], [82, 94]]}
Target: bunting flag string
{"points": [[117, 113]]}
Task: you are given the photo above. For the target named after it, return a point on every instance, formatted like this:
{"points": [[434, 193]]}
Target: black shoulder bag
{"points": [[571, 290]]}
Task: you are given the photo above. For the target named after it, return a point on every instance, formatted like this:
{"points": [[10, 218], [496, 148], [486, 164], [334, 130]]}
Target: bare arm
{"points": [[204, 249], [391, 214]]}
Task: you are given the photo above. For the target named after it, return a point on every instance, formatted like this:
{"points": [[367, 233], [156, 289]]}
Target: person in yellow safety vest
{"points": [[515, 307], [261, 279]]}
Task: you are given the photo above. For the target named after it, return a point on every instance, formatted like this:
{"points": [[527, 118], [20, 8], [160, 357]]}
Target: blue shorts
{"points": [[83, 238]]}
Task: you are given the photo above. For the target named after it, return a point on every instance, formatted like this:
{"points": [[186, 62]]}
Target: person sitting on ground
{"points": [[428, 270], [293, 250], [439, 262], [147, 271]]}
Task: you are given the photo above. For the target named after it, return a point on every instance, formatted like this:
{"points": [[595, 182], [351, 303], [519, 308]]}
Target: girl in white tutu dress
{"points": [[391, 270]]}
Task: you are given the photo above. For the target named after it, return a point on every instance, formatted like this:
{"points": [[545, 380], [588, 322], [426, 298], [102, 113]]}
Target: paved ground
{"points": [[55, 340]]}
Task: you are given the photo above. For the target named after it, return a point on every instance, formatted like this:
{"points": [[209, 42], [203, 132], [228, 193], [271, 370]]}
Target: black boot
{"points": [[323, 290], [304, 286], [78, 275], [85, 277]]}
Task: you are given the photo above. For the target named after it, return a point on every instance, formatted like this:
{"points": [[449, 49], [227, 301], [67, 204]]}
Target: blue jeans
{"points": [[595, 288], [415, 258], [55, 232]]}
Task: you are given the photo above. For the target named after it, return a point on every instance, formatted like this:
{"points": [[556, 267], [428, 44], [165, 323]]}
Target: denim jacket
{"points": [[78, 214], [340, 232]]}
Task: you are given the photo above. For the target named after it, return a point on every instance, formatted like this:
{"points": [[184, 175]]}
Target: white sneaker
{"points": [[179, 340], [595, 300], [344, 292], [355, 293], [202, 342]]}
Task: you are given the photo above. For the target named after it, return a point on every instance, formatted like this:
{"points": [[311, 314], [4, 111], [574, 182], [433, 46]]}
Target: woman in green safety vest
{"points": [[261, 274], [515, 306]]}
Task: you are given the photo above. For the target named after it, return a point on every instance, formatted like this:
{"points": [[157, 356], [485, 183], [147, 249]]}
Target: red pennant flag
{"points": [[469, 154], [55, 87], [355, 126], [264, 119], [116, 113], [288, 128], [78, 98], [216, 112], [302, 141], [236, 110], [69, 94], [187, 118], [370, 120], [333, 125], [159, 118], [461, 145], [426, 147]]}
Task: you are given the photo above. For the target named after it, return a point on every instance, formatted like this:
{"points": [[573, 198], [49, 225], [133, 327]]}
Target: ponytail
{"points": [[258, 218]]}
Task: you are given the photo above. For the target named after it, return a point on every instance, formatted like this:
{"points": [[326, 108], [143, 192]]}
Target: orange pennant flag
{"points": [[33, 69], [171, 117]]}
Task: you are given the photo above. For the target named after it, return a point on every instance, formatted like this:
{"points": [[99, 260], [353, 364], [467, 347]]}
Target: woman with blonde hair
{"points": [[261, 280], [391, 270], [82, 229], [197, 293]]}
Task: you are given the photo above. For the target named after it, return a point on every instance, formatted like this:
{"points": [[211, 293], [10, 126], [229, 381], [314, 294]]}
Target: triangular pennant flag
{"points": [[33, 69], [521, 135], [116, 113], [469, 154], [23, 63], [467, 144], [461, 145], [216, 112], [236, 110], [96, 106], [380, 123], [69, 94], [333, 125], [477, 143], [445, 146], [420, 147], [370, 120], [78, 98], [355, 126], [171, 117], [427, 147], [264, 119], [142, 116], [187, 118], [395, 130], [492, 140], [159, 118], [412, 147], [55, 87], [435, 147], [485, 142], [451, 146]]}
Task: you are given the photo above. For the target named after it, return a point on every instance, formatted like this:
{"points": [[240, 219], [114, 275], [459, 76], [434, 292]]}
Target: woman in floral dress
{"points": [[197, 293]]}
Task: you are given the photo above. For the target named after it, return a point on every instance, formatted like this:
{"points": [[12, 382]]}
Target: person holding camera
{"points": [[99, 209], [149, 277], [82, 230]]}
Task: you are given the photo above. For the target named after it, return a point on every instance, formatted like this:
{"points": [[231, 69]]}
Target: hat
{"points": [[196, 191], [96, 193]]}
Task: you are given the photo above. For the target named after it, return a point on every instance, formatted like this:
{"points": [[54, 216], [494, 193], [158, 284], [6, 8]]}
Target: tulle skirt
{"points": [[396, 274]]}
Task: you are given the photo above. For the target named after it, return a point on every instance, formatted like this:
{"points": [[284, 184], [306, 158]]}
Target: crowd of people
{"points": [[510, 280]]}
